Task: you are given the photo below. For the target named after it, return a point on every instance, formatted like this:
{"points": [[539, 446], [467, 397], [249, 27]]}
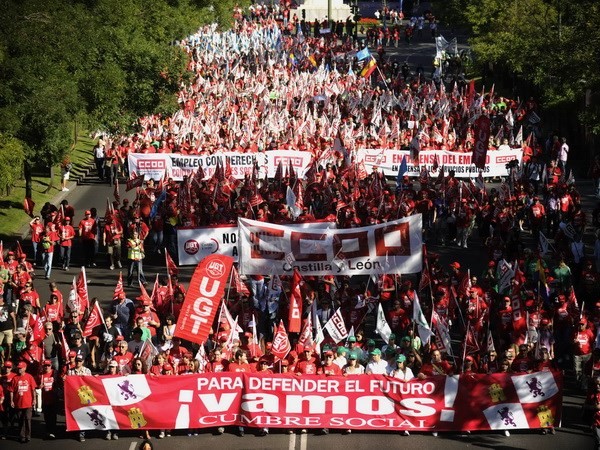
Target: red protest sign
{"points": [[203, 298]]}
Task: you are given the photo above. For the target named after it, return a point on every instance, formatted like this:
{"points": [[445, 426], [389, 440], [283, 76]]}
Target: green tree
{"points": [[105, 62], [12, 156]]}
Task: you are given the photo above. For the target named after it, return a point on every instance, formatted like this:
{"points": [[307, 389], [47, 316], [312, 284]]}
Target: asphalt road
{"points": [[101, 282]]}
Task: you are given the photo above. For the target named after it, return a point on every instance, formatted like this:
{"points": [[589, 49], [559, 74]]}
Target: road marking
{"points": [[292, 444], [303, 441], [132, 445]]}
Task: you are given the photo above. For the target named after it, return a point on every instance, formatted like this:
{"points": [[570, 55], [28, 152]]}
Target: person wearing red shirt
{"points": [[437, 366], [66, 234], [523, 363], [87, 231], [113, 234], [240, 364], [307, 366], [583, 343], [123, 357], [22, 399], [48, 385], [37, 229], [329, 368], [216, 363], [29, 295], [49, 240], [150, 318]]}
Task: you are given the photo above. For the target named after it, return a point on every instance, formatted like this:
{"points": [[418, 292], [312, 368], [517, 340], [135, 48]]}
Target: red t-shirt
{"points": [[23, 389], [87, 228]]}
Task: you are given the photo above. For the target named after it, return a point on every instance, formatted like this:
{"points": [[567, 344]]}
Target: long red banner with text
{"points": [[364, 402]]}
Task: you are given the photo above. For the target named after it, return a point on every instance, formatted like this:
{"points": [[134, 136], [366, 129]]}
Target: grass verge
{"points": [[12, 216]]}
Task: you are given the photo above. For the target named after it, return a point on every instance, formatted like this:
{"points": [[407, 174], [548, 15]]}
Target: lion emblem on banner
{"points": [[127, 390], [507, 416], [535, 387]]}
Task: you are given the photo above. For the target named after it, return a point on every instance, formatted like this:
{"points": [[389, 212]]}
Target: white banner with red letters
{"points": [[194, 244], [388, 161], [391, 247], [364, 402], [203, 298], [176, 166]]}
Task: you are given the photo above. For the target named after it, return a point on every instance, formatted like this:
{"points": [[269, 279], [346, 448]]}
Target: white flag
{"points": [[419, 318], [382, 328], [225, 316], [290, 199], [336, 327], [319, 336]]}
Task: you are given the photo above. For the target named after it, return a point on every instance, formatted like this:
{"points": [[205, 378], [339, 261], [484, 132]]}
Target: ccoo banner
{"points": [[391, 247], [499, 401]]}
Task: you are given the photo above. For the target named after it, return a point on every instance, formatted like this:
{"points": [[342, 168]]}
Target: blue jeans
{"points": [[47, 261], [65, 256], [136, 265]]}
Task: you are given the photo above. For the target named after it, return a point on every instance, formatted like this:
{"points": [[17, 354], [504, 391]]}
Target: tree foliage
{"points": [[554, 44], [105, 62], [11, 162]]}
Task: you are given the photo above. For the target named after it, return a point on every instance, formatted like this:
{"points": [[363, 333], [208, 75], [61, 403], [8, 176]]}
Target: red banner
{"points": [[203, 298], [295, 313], [482, 140], [362, 402]]}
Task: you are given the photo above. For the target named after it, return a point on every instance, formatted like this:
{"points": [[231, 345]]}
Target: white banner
{"points": [[154, 165], [392, 247], [195, 244], [388, 162]]}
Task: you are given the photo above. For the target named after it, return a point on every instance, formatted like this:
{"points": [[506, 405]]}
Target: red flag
{"points": [[1, 253], [38, 334], [155, 297], [119, 287], [482, 141], [279, 171], [295, 311], [306, 337], [19, 251], [172, 268], [95, 318], [281, 342], [64, 346], [203, 297], [240, 286], [436, 163], [134, 182], [116, 191], [253, 345], [228, 172], [28, 205], [82, 291]]}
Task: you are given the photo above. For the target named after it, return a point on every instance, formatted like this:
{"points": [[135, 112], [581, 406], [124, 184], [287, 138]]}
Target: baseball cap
{"points": [[401, 358], [328, 353], [352, 339], [47, 362], [370, 342], [22, 365], [392, 336], [352, 356], [376, 352], [113, 363], [87, 211], [72, 354], [455, 264], [79, 358]]}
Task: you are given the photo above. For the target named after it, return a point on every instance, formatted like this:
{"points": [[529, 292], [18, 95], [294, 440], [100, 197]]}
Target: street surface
{"points": [[101, 282]]}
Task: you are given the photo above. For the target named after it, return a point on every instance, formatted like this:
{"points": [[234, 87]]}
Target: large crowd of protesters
{"points": [[257, 88]]}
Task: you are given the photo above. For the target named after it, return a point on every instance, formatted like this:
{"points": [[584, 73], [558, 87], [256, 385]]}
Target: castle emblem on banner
{"points": [[86, 395], [545, 416], [136, 418], [496, 393]]}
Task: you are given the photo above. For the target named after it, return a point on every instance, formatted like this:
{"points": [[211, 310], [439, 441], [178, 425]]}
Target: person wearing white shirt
{"points": [[563, 155], [376, 366]]}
